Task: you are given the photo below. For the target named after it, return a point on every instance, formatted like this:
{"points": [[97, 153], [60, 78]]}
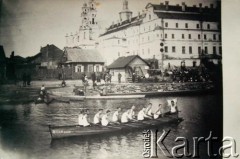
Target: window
{"points": [[219, 36], [172, 36], [199, 36], [214, 36], [84, 35], [182, 36], [173, 49], [166, 49], [205, 37], [165, 35], [149, 16], [199, 50], [166, 24], [90, 68], [220, 50], [206, 49], [208, 26], [189, 36], [190, 49], [97, 68], [183, 50], [186, 25], [214, 50], [198, 26], [78, 38], [176, 25]]}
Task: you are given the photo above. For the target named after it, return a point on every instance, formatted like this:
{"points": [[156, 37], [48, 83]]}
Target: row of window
{"points": [[187, 26], [199, 36], [190, 50]]}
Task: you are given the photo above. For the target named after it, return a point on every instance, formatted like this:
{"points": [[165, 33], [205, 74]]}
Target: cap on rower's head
{"points": [[108, 111], [149, 103], [100, 109]]}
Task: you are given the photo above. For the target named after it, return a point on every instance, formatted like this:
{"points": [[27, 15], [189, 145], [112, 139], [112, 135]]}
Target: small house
{"points": [[126, 66], [82, 61]]}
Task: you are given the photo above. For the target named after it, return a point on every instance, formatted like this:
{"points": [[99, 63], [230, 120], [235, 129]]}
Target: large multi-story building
{"points": [[169, 33], [88, 32]]}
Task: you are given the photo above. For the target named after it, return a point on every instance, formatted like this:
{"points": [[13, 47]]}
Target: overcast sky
{"points": [[26, 25]]}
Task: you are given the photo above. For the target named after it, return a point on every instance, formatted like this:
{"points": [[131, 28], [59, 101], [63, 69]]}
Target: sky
{"points": [[26, 25]]}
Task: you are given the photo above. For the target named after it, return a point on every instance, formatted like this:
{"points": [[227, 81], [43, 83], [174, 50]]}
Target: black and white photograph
{"points": [[104, 79]]}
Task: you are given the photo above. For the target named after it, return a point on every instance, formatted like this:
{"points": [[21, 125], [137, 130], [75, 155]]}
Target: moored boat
{"points": [[75, 130]]}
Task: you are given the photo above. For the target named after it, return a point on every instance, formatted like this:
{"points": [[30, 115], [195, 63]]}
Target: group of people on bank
{"points": [[104, 118]]}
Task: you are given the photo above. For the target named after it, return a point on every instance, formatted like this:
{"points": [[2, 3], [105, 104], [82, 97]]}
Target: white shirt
{"points": [[80, 119], [115, 116], [124, 118], [85, 121], [104, 120], [157, 114], [149, 112], [173, 108], [42, 88], [131, 114], [141, 115], [96, 118]]}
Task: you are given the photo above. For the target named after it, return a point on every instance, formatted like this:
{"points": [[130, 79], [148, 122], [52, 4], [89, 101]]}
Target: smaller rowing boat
{"points": [[75, 130]]}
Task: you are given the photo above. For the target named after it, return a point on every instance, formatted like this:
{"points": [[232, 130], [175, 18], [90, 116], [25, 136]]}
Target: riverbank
{"points": [[16, 94]]}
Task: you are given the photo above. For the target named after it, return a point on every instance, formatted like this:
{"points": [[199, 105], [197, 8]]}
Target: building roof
{"points": [[74, 55], [137, 20], [190, 13], [170, 12], [51, 52], [123, 61], [2, 55]]}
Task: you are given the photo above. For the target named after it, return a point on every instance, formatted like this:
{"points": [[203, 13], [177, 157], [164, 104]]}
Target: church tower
{"points": [[125, 14], [88, 31]]}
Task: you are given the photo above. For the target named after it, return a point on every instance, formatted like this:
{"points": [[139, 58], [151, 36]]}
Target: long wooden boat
{"points": [[75, 130], [166, 93]]}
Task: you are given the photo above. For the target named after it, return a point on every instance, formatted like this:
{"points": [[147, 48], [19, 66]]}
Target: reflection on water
{"points": [[24, 128]]}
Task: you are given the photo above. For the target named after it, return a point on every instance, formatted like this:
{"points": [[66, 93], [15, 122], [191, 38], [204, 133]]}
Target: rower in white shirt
{"points": [[97, 117], [173, 106], [131, 114], [80, 118], [149, 110], [124, 118], [115, 117], [141, 114], [85, 118], [158, 113], [105, 120]]}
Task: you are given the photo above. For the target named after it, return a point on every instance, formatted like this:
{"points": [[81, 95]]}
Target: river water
{"points": [[24, 128]]}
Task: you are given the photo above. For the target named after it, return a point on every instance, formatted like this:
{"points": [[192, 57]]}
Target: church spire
{"points": [[125, 14]]}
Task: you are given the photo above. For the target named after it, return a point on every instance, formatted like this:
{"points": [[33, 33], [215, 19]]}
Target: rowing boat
{"points": [[75, 130], [165, 93]]}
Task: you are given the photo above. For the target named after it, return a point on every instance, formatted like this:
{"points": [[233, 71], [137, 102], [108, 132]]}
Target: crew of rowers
{"points": [[103, 119]]}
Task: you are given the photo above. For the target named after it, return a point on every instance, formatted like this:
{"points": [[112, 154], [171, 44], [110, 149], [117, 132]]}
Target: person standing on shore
{"points": [[94, 79], [119, 77]]}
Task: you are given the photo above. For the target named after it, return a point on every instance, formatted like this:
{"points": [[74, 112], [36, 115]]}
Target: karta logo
{"points": [[154, 145]]}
